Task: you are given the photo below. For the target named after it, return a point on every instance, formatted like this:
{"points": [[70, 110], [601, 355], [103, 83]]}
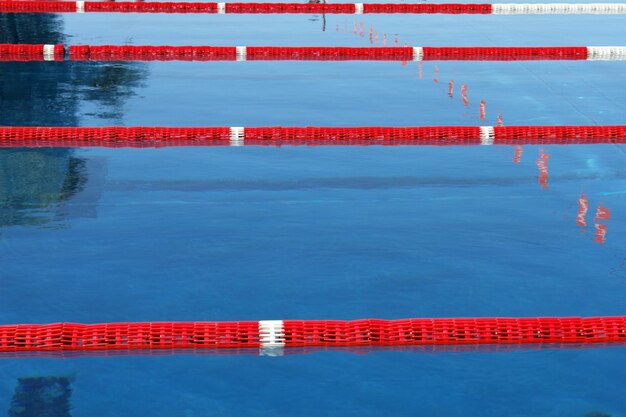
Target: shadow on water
{"points": [[36, 184], [41, 397]]}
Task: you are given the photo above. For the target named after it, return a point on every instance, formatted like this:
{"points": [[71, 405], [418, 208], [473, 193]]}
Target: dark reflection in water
{"points": [[36, 184], [41, 397]]}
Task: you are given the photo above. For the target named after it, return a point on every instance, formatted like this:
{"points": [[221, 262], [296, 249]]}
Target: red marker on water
{"points": [[583, 207], [517, 157], [600, 236], [464, 95], [542, 164], [602, 213]]}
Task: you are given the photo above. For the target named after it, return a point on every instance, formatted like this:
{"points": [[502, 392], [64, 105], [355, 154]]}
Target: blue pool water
{"points": [[98, 235]]}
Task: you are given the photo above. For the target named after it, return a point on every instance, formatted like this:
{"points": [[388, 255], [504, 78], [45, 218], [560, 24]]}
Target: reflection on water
{"points": [[583, 208], [542, 165], [602, 216], [36, 184], [41, 397]]}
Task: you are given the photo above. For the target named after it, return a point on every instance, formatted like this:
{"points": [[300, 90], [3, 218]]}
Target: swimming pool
{"points": [[255, 233]]}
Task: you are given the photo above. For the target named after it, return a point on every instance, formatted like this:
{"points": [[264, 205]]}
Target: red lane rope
{"points": [[251, 8], [302, 333], [229, 53], [254, 53], [148, 137], [17, 52]]}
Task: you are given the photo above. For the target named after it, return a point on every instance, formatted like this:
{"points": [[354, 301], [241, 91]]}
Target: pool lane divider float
{"points": [[157, 137], [13, 6], [274, 335], [41, 52]]}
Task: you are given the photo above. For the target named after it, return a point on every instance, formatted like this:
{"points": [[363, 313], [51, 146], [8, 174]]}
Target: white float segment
{"points": [[237, 136], [606, 53], [358, 8], [558, 8], [272, 333], [221, 8], [48, 52], [241, 53], [418, 53], [80, 7], [487, 135]]}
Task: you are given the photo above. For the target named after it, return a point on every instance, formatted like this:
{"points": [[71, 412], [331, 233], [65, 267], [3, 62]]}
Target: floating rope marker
{"points": [[237, 136], [25, 52], [148, 137], [487, 135], [12, 6], [278, 334]]}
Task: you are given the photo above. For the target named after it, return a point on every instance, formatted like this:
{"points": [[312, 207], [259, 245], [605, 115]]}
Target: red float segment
{"points": [[301, 333], [506, 53], [510, 135], [112, 336], [14, 6], [451, 8], [424, 135], [293, 8], [113, 137], [149, 7], [31, 52], [455, 331], [152, 53], [332, 53]]}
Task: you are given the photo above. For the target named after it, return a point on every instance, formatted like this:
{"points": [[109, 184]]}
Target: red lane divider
{"points": [[257, 53], [149, 137], [16, 52], [302, 333], [238, 8], [343, 8], [231, 53]]}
